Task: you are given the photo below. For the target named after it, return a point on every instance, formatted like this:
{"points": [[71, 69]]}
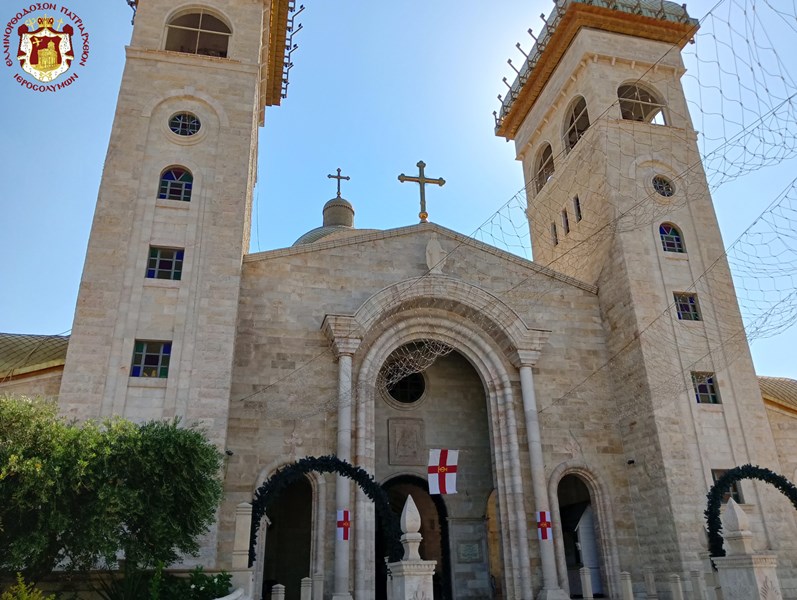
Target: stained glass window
{"points": [[151, 359], [705, 388], [686, 306], [671, 240], [165, 263], [176, 184], [184, 123]]}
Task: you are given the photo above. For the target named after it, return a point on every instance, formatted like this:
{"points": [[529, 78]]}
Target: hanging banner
{"points": [[443, 471], [544, 525], [344, 525]]}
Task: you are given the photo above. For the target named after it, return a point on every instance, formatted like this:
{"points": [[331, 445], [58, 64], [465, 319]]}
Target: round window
{"points": [[408, 389], [184, 123], [663, 186]]}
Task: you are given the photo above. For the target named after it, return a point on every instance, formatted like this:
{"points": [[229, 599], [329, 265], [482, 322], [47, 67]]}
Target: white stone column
{"points": [[345, 349], [550, 580], [339, 330], [242, 574]]}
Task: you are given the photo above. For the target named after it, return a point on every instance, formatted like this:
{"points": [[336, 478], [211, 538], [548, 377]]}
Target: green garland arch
{"points": [[267, 493], [723, 485]]}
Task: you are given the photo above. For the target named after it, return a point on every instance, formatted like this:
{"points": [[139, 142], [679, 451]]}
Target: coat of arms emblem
{"points": [[45, 53]]}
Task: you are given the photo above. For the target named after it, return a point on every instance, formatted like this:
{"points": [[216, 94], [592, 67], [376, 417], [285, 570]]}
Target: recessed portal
{"points": [[287, 556], [579, 535]]}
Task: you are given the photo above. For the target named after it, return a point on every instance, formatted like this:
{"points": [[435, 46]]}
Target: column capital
{"points": [[341, 331], [526, 358], [529, 347]]}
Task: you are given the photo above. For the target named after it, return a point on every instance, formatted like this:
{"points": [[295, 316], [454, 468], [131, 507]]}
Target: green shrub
{"points": [[21, 591]]}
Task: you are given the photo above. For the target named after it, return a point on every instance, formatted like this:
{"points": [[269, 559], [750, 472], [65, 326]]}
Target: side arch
{"points": [[272, 487], [603, 509], [723, 486]]}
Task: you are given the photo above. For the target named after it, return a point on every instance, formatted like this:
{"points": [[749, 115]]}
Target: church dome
{"points": [[338, 220]]}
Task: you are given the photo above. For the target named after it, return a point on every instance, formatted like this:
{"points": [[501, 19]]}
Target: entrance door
{"points": [[434, 529], [287, 556], [578, 531]]}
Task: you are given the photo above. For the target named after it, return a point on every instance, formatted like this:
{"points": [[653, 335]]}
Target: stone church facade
{"points": [[539, 375]]}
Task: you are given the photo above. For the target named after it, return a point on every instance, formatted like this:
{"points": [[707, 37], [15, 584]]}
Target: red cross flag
{"points": [[344, 525], [443, 471], [544, 525]]}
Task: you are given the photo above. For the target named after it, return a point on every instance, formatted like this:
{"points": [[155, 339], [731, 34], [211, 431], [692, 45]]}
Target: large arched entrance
{"points": [[288, 542], [434, 529], [579, 535]]}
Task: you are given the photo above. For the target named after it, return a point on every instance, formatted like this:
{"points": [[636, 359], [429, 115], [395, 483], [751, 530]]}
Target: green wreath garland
{"points": [[723, 485], [267, 493]]}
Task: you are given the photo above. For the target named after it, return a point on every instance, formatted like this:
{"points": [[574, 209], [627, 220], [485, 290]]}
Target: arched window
{"points": [[198, 33], [544, 169], [176, 184], [671, 238], [577, 122], [638, 104]]}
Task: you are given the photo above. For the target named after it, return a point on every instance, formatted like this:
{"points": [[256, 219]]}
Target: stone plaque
{"points": [[469, 552], [406, 442]]}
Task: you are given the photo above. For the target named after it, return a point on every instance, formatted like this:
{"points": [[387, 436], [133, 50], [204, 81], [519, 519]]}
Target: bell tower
{"points": [[155, 320], [618, 198]]}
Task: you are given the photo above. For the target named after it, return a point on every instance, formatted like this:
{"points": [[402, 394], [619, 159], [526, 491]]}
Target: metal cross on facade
{"points": [[339, 177], [422, 180]]}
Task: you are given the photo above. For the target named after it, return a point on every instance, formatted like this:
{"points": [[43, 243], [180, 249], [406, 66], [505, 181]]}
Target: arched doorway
{"points": [[288, 542], [434, 529], [579, 535]]}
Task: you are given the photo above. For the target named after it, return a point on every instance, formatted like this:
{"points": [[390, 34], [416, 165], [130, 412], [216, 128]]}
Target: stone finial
{"points": [[736, 529], [410, 517], [411, 526], [735, 520]]}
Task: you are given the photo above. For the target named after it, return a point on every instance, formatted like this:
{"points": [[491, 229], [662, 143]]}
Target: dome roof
{"points": [[781, 390], [338, 219]]}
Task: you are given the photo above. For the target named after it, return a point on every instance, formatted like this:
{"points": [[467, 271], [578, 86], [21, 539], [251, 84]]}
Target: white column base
{"points": [[412, 579], [553, 594]]}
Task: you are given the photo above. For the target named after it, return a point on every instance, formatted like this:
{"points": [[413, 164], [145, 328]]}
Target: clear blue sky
{"points": [[376, 87]]}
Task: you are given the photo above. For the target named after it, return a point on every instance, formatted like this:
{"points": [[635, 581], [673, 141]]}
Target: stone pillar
{"points": [[306, 589], [650, 584], [676, 591], [742, 574], [585, 575], [346, 350], [412, 577], [278, 592], [242, 574], [550, 581], [698, 585], [626, 589], [709, 577]]}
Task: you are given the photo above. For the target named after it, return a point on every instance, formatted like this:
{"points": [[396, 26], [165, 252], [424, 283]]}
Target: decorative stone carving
{"points": [[435, 255], [406, 442]]}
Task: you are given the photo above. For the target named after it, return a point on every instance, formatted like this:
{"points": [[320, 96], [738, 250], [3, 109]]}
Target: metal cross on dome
{"points": [[339, 177], [422, 180]]}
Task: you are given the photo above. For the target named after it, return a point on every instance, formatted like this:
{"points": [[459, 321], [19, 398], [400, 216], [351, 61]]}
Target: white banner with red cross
{"points": [[544, 525], [442, 471], [344, 525]]}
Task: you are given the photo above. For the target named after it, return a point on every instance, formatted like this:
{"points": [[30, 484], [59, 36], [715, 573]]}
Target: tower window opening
{"points": [[565, 222], [663, 186], [554, 235], [577, 123], [671, 239], [151, 359], [176, 183], [165, 263], [184, 123], [638, 104], [198, 33], [734, 492], [705, 388], [686, 306], [545, 168], [577, 208]]}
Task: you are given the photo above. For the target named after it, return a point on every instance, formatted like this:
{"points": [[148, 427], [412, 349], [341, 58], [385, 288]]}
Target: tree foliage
{"points": [[76, 495]]}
